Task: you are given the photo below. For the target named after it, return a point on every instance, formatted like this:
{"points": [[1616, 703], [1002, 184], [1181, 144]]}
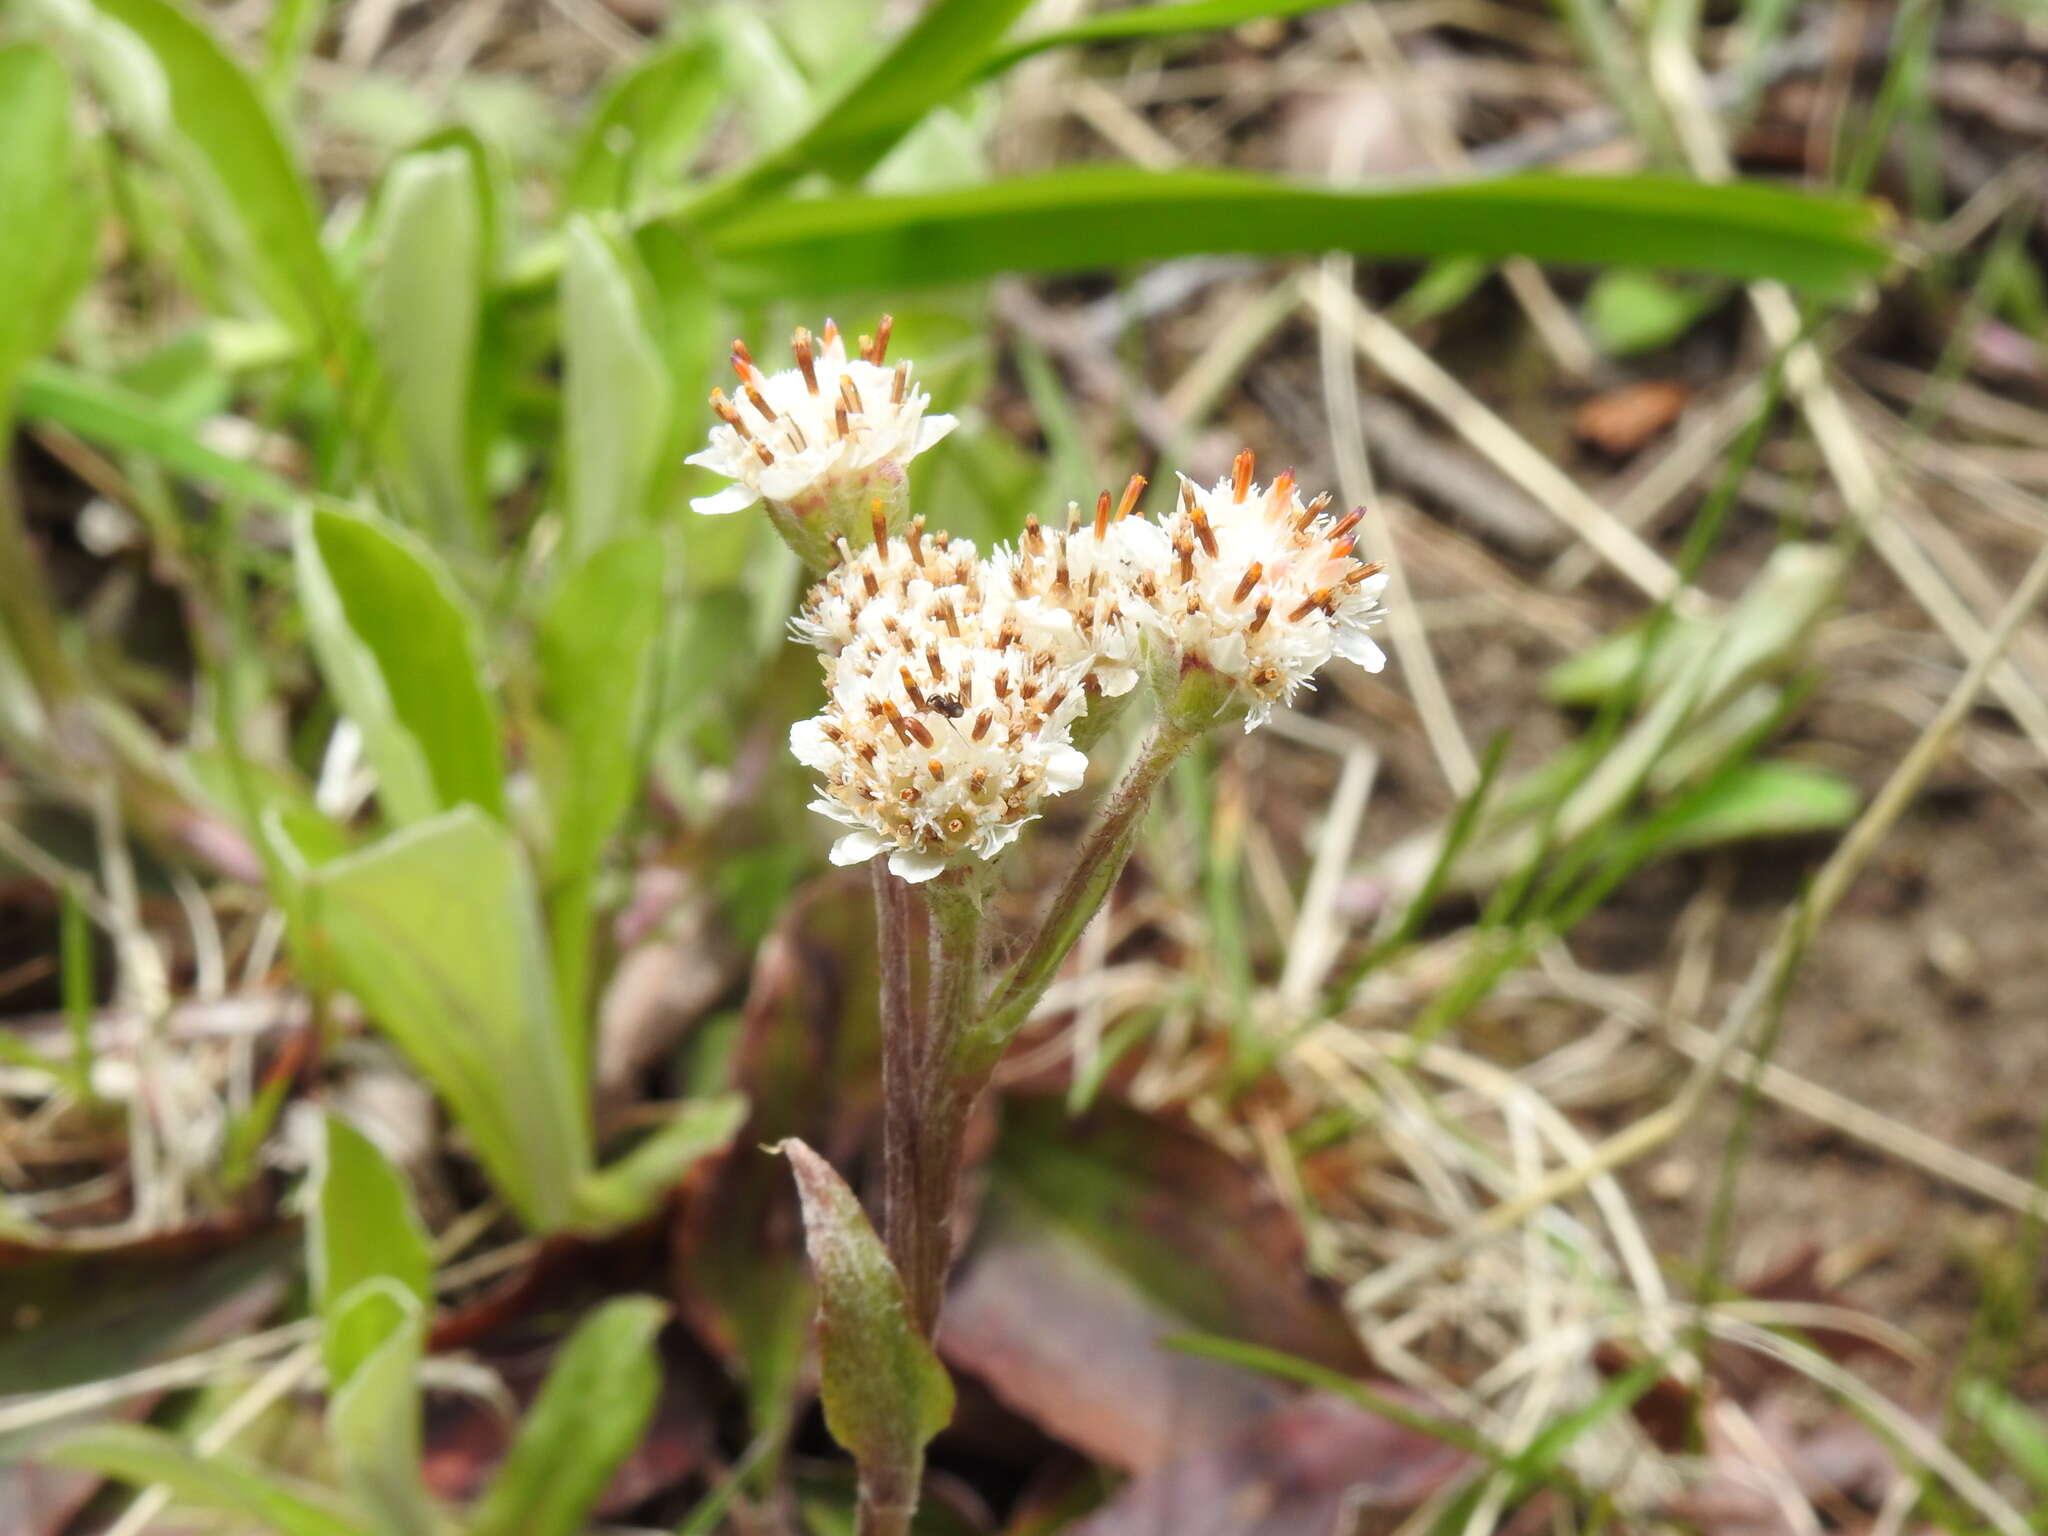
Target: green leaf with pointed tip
{"points": [[144, 1457], [587, 1419], [373, 1419], [430, 259], [397, 645], [884, 1391], [1768, 799], [645, 126], [47, 256], [246, 171], [363, 1227], [628, 1190], [436, 929]]}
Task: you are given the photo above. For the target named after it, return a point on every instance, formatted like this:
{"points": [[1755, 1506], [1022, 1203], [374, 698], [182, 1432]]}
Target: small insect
{"points": [[945, 704]]}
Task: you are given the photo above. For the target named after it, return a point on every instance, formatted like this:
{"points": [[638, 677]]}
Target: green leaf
{"points": [[1630, 312], [363, 1227], [47, 257], [1150, 21], [398, 647], [374, 1419], [596, 648], [429, 262], [2019, 1431], [932, 58], [104, 412], [617, 409], [1093, 217], [629, 1189], [884, 1391], [246, 170], [1753, 800], [143, 1457], [645, 126], [588, 1418], [437, 931]]}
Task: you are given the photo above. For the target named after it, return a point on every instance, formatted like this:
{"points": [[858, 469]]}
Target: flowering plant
{"points": [[963, 691]]}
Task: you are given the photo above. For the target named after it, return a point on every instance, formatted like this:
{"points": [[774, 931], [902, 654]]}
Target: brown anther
{"points": [[1251, 579], [1311, 512], [1054, 701], [729, 414], [878, 520], [1060, 580], [910, 687], [1187, 496], [796, 433], [942, 541], [1184, 546], [1002, 685], [917, 729], [931, 664], [833, 733], [849, 394], [1260, 614], [883, 327], [1241, 476], [899, 386], [966, 687], [840, 422], [950, 619], [761, 452], [1343, 529], [982, 722], [1133, 489], [743, 360], [1265, 677], [1091, 685], [978, 780], [1028, 690], [1102, 514], [936, 769], [1034, 537], [868, 580], [1359, 573], [800, 344], [1281, 491], [1009, 634], [911, 795], [896, 719], [1203, 532], [830, 330], [867, 751], [760, 403], [1320, 598], [911, 535]]}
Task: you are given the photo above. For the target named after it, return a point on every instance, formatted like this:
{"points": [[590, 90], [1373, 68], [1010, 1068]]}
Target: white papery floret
{"points": [[791, 436], [944, 729], [1261, 590]]}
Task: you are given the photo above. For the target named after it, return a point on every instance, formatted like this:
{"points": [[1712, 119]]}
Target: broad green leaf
{"points": [[629, 1189], [884, 1391], [1092, 217], [373, 1420], [143, 1457], [618, 408], [1768, 799], [1149, 21], [400, 650], [103, 412], [437, 931], [428, 264], [645, 126], [1630, 312], [363, 1227], [587, 1419], [596, 647], [245, 168], [47, 255]]}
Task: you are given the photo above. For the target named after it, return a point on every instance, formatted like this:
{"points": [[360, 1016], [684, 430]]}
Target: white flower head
{"points": [[1071, 593], [819, 442], [901, 579], [1259, 591], [944, 730]]}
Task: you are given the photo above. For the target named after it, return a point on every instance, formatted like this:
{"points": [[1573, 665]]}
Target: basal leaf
{"points": [[618, 408], [146, 1457], [44, 262], [363, 1227]]}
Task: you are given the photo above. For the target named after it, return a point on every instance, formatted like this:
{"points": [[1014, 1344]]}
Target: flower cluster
{"points": [[821, 441], [955, 680]]}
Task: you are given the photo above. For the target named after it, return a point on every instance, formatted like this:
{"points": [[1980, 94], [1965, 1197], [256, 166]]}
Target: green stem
{"points": [[942, 1102], [888, 1499], [1103, 854]]}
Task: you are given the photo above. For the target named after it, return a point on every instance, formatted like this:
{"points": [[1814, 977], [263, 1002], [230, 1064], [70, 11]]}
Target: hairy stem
{"points": [[1101, 859], [942, 1106], [888, 1499], [901, 1051]]}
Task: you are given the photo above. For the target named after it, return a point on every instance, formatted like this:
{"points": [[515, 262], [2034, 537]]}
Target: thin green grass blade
{"points": [[1141, 21]]}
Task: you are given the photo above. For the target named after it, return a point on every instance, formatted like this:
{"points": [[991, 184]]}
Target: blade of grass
{"points": [[1148, 21]]}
